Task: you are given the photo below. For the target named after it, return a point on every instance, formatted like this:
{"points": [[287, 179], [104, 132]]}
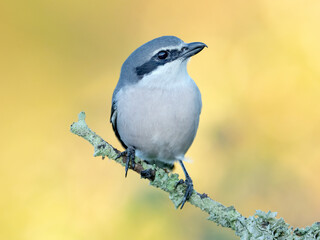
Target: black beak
{"points": [[191, 49]]}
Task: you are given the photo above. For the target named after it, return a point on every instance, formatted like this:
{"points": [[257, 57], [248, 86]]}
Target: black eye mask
{"points": [[159, 59]]}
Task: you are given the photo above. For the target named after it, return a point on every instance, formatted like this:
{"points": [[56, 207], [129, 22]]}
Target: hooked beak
{"points": [[191, 49]]}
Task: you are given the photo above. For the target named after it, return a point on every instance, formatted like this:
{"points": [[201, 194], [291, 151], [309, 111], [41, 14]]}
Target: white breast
{"points": [[160, 116]]}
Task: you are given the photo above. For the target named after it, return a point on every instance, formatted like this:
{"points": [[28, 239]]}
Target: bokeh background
{"points": [[258, 142]]}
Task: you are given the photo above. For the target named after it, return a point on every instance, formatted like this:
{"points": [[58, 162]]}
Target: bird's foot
{"points": [[188, 192], [130, 152]]}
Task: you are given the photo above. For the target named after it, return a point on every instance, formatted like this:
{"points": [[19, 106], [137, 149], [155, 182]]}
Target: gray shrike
{"points": [[156, 105]]}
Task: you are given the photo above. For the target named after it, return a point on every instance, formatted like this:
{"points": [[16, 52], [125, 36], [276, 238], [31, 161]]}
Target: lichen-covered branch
{"points": [[259, 226]]}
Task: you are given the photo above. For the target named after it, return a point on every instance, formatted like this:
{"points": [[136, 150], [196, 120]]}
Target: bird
{"points": [[156, 105]]}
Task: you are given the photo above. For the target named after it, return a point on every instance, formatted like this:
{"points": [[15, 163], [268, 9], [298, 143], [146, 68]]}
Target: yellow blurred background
{"points": [[258, 142]]}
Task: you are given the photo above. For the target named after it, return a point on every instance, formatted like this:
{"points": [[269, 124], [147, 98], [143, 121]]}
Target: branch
{"points": [[259, 226]]}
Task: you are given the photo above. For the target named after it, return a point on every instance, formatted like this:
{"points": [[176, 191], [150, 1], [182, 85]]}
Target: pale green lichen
{"points": [[168, 182], [264, 226], [260, 226], [224, 216], [307, 233]]}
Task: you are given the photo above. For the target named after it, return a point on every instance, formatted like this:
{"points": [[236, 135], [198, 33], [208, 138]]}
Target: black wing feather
{"points": [[113, 120]]}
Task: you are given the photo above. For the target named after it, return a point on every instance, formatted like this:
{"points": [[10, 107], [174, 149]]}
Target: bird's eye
{"points": [[163, 54]]}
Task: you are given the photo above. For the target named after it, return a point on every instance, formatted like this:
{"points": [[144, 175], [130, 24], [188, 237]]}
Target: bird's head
{"points": [[161, 57]]}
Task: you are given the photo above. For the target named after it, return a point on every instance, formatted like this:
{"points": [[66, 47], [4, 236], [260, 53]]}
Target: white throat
{"points": [[167, 76]]}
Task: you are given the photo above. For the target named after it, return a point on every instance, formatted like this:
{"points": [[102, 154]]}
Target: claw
{"points": [[130, 152], [181, 181], [189, 190], [121, 154], [189, 184]]}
